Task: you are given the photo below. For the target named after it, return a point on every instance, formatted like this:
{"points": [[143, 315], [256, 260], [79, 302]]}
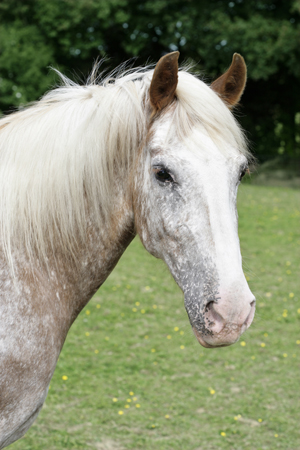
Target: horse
{"points": [[154, 152]]}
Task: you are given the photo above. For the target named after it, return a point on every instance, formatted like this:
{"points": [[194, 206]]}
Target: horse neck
{"points": [[103, 247], [63, 286]]}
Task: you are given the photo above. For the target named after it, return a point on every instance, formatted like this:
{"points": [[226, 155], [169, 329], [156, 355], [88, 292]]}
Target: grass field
{"points": [[132, 376]]}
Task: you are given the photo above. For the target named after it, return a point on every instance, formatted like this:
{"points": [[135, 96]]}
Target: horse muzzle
{"points": [[224, 326]]}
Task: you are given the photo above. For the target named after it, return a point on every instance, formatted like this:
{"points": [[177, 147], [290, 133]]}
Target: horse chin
{"points": [[211, 341]]}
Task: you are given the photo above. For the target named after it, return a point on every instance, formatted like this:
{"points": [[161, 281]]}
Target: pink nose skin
{"points": [[225, 325]]}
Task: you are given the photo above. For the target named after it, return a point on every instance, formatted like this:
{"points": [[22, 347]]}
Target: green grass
{"points": [[188, 395]]}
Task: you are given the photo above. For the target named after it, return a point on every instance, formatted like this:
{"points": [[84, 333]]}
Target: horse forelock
{"points": [[60, 156]]}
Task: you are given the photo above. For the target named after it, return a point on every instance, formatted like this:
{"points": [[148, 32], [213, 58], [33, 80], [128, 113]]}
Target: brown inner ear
{"points": [[230, 86], [164, 81]]}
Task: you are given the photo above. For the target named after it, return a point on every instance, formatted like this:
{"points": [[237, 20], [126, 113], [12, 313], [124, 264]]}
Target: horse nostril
{"points": [[215, 320], [250, 316], [209, 306]]}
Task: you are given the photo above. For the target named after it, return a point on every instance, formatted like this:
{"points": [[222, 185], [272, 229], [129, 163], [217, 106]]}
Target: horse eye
{"points": [[243, 172], [163, 175]]}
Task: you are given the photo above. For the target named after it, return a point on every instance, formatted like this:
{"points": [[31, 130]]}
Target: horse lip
{"points": [[205, 344], [200, 339]]}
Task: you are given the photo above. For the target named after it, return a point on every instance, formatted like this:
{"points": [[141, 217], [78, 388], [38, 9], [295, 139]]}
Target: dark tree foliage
{"points": [[71, 34]]}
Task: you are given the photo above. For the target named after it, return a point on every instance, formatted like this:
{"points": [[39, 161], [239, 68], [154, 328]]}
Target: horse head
{"points": [[185, 189]]}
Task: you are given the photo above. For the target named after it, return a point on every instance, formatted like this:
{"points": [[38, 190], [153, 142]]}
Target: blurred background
{"points": [[71, 34]]}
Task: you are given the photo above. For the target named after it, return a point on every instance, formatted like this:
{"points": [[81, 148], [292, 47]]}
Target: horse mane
{"points": [[66, 147]]}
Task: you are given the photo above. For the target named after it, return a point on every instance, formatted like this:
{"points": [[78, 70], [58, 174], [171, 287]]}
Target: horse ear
{"points": [[230, 86], [164, 81]]}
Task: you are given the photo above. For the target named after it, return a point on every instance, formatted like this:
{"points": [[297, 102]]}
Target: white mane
{"points": [[64, 149]]}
